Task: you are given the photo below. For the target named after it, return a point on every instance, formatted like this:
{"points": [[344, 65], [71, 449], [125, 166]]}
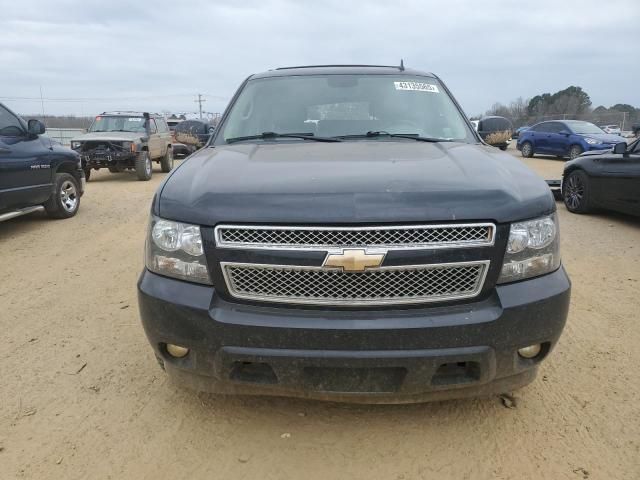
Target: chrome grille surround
{"points": [[376, 286], [414, 237]]}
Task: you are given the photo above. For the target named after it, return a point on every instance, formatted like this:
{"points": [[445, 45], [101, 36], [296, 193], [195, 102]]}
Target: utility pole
{"points": [[199, 101]]}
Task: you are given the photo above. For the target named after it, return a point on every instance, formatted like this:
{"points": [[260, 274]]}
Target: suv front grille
{"points": [[318, 238], [378, 286]]}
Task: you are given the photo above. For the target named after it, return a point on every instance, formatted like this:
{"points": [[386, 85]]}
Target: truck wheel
{"points": [[575, 151], [167, 161], [575, 192], [527, 150], [65, 201], [143, 166], [87, 174]]}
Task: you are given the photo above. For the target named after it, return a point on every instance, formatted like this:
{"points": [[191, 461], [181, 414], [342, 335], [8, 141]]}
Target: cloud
{"points": [[157, 56]]}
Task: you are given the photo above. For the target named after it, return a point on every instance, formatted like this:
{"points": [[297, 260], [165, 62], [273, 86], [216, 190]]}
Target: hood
{"points": [[604, 137], [109, 137], [352, 182]]}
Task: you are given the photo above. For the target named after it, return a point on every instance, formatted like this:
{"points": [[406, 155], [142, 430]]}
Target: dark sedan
{"points": [[604, 180]]}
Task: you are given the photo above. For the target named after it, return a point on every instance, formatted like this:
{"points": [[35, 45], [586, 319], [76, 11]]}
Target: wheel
{"points": [[166, 164], [574, 151], [575, 192], [527, 150], [143, 166], [65, 201], [87, 174]]}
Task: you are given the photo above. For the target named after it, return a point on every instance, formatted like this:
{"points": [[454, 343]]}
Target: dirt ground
{"points": [[81, 395]]}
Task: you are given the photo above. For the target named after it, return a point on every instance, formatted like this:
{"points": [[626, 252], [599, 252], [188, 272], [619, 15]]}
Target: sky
{"points": [[88, 56]]}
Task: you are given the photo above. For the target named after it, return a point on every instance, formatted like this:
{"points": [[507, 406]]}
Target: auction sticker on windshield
{"points": [[416, 86]]}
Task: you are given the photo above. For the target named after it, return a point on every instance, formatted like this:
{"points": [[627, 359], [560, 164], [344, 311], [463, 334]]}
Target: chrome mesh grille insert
{"points": [[419, 236], [385, 285]]}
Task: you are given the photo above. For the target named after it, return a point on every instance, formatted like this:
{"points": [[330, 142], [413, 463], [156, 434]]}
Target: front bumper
{"points": [[402, 355], [105, 160]]}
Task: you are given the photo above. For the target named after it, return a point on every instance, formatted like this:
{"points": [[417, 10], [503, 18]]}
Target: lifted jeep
{"points": [[123, 141]]}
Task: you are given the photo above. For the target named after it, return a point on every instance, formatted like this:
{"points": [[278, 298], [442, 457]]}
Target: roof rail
{"points": [[397, 67]]}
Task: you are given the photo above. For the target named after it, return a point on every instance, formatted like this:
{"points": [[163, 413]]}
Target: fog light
{"points": [[176, 350], [531, 351]]}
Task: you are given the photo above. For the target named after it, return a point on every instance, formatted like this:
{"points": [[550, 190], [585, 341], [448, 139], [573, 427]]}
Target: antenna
{"points": [[401, 65]]}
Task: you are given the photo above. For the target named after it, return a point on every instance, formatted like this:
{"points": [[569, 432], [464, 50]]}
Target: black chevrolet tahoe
{"points": [[347, 235], [36, 173]]}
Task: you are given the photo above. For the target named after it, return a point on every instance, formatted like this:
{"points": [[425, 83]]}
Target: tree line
{"points": [[571, 103]]}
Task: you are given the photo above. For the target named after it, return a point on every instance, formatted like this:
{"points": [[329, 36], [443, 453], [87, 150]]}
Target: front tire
{"points": [[575, 192], [527, 150], [574, 151], [144, 169], [166, 164], [65, 201]]}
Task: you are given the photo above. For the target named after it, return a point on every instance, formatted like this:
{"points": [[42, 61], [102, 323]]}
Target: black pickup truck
{"points": [[346, 234], [36, 173]]}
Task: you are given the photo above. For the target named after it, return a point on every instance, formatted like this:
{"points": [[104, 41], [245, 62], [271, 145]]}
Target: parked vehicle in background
{"points": [[36, 173], [173, 122], [635, 128], [180, 150], [346, 235], [496, 131], [612, 129], [564, 138], [194, 134], [604, 180], [519, 130], [123, 141]]}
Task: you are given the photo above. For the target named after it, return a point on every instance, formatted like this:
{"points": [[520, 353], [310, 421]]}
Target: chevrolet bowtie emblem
{"points": [[353, 260]]}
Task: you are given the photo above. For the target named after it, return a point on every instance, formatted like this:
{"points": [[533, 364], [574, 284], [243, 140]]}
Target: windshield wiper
{"points": [[410, 136], [268, 135]]}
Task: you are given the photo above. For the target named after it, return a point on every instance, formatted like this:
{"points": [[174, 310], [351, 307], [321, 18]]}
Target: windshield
{"points": [[345, 105], [117, 124], [584, 128]]}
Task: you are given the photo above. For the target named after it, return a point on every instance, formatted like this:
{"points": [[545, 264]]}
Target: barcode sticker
{"points": [[416, 87]]}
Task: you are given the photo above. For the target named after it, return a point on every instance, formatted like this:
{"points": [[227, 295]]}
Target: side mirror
{"points": [[564, 132], [620, 148], [35, 127]]}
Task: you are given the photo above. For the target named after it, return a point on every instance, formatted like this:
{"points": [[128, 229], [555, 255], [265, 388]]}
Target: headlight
{"points": [[592, 141], [175, 249], [533, 249], [76, 145]]}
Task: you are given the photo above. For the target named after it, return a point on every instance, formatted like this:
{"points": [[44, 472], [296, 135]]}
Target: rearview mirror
{"points": [[620, 148], [35, 127]]}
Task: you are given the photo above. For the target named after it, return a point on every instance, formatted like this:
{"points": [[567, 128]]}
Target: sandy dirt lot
{"points": [[81, 395]]}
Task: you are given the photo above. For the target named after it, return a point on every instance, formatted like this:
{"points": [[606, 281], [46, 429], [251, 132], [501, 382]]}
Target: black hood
{"points": [[352, 182]]}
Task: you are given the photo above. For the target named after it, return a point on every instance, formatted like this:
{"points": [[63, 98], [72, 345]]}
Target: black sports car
{"points": [[608, 180]]}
